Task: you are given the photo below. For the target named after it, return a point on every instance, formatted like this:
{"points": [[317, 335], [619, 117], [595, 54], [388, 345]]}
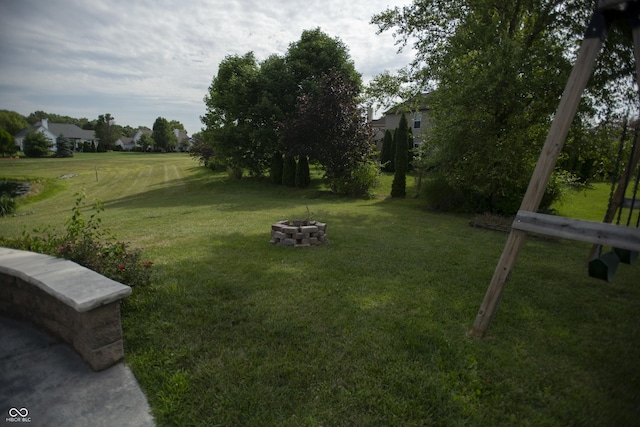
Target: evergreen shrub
{"points": [[277, 165], [63, 147], [303, 176], [289, 171], [36, 144]]}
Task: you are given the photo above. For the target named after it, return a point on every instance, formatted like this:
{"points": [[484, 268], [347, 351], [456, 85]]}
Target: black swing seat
{"points": [[630, 203], [604, 267], [626, 256]]}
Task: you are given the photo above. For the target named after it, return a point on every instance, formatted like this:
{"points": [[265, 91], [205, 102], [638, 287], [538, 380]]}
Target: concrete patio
{"points": [[44, 382]]}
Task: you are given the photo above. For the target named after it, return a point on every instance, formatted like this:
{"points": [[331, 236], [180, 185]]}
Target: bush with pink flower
{"points": [[87, 244]]}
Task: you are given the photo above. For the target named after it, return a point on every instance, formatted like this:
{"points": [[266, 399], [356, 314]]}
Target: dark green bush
{"points": [[88, 147], [277, 165], [364, 177], [36, 144], [7, 204], [289, 171], [440, 195], [216, 164], [7, 143], [235, 172]]}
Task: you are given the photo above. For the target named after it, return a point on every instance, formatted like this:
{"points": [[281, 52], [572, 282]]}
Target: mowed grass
{"points": [[369, 330]]}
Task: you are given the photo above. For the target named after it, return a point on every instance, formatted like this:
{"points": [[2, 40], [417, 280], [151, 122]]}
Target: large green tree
{"points": [[163, 136], [146, 142], [229, 120], [276, 104], [175, 124], [314, 55], [496, 69], [36, 116], [106, 132], [249, 102], [12, 122], [328, 127], [7, 143]]}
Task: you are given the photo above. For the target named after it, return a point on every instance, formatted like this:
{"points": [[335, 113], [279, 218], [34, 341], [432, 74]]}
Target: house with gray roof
{"points": [[184, 142], [126, 143], [417, 115], [77, 136]]}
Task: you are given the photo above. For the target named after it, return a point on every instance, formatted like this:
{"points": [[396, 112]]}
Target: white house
{"points": [[77, 136], [126, 143], [129, 143], [139, 133], [184, 142]]}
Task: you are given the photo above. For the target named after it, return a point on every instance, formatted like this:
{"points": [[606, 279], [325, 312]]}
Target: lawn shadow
{"points": [[204, 188]]}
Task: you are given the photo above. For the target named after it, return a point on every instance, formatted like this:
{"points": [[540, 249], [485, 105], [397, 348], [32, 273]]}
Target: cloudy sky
{"points": [[140, 59]]}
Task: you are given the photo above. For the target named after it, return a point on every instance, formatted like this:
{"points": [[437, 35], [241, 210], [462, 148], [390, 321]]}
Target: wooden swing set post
{"points": [[618, 196], [567, 109]]}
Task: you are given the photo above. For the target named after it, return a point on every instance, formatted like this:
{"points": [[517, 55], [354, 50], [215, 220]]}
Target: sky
{"points": [[143, 59]]}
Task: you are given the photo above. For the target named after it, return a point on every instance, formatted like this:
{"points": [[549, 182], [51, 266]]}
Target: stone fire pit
{"points": [[299, 234]]}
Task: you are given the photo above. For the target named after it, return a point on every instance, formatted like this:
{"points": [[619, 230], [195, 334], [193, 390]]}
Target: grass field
{"points": [[369, 330]]}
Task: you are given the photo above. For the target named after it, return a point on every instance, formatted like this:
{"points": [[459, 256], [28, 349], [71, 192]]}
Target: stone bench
{"points": [[71, 302]]}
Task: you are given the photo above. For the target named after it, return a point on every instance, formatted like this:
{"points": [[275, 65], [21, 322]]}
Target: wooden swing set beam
{"points": [[598, 233]]}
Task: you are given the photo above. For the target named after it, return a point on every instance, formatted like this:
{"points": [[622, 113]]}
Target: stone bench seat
{"points": [[71, 302]]}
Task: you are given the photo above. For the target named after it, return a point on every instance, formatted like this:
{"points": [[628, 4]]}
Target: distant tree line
{"points": [[106, 131]]}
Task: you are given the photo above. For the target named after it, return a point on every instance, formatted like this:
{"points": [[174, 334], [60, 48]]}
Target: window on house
{"points": [[417, 118]]}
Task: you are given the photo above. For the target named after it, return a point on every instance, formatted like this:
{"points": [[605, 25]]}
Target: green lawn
{"points": [[369, 330]]}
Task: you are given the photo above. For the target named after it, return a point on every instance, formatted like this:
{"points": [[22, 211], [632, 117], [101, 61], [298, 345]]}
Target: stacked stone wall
{"points": [[299, 234], [73, 303]]}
